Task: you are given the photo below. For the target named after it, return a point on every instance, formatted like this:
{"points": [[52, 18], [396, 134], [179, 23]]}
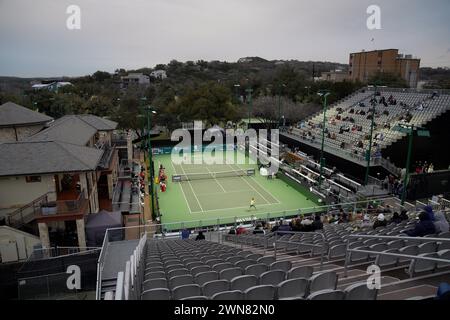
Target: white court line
{"points": [[278, 201], [253, 188], [260, 205], [198, 201], [216, 180], [181, 187], [215, 193]]}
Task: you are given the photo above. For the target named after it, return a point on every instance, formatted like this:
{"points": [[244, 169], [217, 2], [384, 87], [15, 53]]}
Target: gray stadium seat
{"points": [[228, 295], [154, 264], [387, 261], [154, 269], [228, 274], [427, 247], [262, 292], [359, 256], [207, 276], [409, 250], [155, 275], [281, 265], [417, 266], [195, 298], [273, 277], [213, 262], [337, 251], [293, 288], [188, 290], [200, 269], [234, 259], [177, 272], [222, 266], [180, 280], [377, 247], [174, 267], [242, 283], [268, 260], [192, 265], [443, 254], [254, 256], [156, 294], [256, 269], [444, 234], [212, 287], [322, 281], [154, 284], [327, 294], [396, 244], [244, 263], [360, 291], [300, 272]]}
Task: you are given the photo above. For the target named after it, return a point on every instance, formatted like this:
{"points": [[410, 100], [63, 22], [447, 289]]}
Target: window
{"points": [[33, 179]]}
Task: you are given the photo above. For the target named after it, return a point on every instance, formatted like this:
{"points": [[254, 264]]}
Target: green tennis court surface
{"points": [[222, 196]]}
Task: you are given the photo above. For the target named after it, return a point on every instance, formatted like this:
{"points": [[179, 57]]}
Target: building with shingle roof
{"points": [[18, 123]]}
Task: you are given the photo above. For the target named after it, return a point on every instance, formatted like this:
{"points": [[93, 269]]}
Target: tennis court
{"points": [[211, 191]]}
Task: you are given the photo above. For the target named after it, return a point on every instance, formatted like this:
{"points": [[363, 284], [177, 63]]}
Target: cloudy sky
{"points": [[34, 39]]}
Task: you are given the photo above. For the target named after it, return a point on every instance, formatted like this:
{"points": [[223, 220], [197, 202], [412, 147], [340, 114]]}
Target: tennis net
{"points": [[213, 175]]}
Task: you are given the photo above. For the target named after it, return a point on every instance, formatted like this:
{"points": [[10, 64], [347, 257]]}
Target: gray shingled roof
{"points": [[29, 158], [12, 114], [76, 129]]}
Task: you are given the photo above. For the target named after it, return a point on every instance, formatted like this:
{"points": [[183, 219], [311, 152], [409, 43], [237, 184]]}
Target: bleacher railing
{"points": [[399, 255]]}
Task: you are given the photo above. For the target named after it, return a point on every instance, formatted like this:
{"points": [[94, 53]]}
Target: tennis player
{"points": [[252, 204]]}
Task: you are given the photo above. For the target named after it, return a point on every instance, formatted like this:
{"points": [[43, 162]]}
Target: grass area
{"points": [[202, 202]]}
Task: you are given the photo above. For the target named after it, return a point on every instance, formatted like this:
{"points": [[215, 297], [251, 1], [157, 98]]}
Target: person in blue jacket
{"points": [[423, 227], [429, 211]]}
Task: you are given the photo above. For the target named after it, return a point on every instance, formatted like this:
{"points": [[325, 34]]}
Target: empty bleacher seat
{"points": [[229, 274], [154, 284], [360, 291], [180, 280], [184, 291], [256, 269], [262, 292], [281, 265], [228, 295], [323, 280], [300, 272], [156, 294], [272, 277], [207, 276], [212, 287], [244, 282], [293, 288], [327, 294]]}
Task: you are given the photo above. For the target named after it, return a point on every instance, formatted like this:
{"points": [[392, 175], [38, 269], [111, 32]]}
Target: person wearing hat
{"points": [[381, 221]]}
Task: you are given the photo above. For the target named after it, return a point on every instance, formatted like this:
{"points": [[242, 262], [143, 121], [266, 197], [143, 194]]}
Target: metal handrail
{"points": [[419, 239]]}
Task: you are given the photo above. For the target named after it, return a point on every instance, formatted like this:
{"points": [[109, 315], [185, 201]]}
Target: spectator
{"points": [[404, 215], [276, 226], [200, 236], [423, 227], [240, 230], [284, 227], [429, 211], [396, 218], [258, 230], [381, 221], [441, 223], [317, 224]]}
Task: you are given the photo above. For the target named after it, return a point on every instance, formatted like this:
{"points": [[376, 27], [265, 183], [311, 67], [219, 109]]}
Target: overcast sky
{"points": [[34, 40]]}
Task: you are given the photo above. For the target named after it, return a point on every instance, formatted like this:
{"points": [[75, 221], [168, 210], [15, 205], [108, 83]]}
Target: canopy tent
{"points": [[96, 226]]}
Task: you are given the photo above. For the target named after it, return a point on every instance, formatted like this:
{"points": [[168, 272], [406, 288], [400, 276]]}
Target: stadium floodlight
{"points": [[324, 94], [149, 110], [409, 129], [249, 94], [279, 102]]}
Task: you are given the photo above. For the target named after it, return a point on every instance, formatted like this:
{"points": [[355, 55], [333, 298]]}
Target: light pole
{"points": [[236, 89], [249, 94], [409, 130], [279, 103], [150, 111], [323, 94], [369, 154]]}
